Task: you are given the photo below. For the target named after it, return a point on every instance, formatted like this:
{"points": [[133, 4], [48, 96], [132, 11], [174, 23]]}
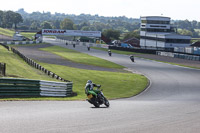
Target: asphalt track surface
{"points": [[170, 105], [5, 38]]}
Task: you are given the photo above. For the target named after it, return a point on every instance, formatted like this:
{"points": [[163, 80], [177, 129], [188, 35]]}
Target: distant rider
{"points": [[89, 88], [88, 48], [132, 58], [109, 52]]}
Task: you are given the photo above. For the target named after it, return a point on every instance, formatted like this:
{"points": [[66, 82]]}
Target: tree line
{"points": [[186, 27], [112, 27], [10, 19]]}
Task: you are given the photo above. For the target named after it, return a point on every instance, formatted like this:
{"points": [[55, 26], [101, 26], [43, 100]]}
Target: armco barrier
{"points": [[12, 87]]}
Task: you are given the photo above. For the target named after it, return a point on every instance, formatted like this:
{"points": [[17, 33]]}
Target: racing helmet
{"points": [[89, 81]]}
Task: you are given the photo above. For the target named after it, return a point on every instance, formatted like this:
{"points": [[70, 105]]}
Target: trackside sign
{"points": [[71, 32]]}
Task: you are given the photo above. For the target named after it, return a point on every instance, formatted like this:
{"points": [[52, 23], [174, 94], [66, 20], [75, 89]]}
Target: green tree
{"points": [[67, 24], [56, 24], [46, 25], [17, 18], [85, 28], [8, 19], [83, 24], [1, 18], [185, 32], [111, 34], [132, 34], [34, 26]]}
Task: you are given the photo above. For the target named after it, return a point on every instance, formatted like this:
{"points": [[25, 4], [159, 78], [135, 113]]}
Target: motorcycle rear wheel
{"points": [[96, 104]]}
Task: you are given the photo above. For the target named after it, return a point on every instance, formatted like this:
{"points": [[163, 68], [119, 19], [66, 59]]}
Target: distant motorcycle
{"points": [[109, 53], [132, 58], [88, 48], [99, 100]]}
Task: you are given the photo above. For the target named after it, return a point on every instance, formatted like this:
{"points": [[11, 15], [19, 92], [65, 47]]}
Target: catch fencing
{"points": [[11, 87]]}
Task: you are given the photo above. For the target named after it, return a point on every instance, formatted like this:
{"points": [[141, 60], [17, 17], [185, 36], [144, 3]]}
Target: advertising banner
{"points": [[71, 32]]}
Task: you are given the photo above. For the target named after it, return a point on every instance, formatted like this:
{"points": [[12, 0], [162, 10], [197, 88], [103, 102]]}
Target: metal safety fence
{"points": [[3, 69]]}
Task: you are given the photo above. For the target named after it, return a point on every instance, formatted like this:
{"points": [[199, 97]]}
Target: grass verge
{"points": [[173, 63], [115, 84], [29, 35], [128, 53], [10, 33], [6, 32], [116, 51], [81, 57], [17, 68]]}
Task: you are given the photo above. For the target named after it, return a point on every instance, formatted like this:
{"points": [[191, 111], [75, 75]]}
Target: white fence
{"points": [[179, 55]]}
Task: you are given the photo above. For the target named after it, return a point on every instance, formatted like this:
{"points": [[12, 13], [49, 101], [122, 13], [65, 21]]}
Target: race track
{"points": [[170, 105]]}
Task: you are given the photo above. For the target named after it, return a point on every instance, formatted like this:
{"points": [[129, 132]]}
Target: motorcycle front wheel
{"points": [[107, 104]]}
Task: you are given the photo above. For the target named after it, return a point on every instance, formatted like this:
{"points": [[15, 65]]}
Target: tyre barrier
{"points": [[12, 87]]}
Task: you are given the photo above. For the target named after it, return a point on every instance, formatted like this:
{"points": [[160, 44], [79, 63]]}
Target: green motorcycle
{"points": [[98, 100]]}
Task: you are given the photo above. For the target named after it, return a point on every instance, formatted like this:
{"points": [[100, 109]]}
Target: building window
{"points": [[155, 30], [177, 41], [185, 41], [155, 22], [158, 26]]}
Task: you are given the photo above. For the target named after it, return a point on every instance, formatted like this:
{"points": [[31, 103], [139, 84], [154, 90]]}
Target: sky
{"points": [[175, 9]]}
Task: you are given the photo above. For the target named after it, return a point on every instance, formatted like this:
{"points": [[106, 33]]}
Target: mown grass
{"points": [[116, 51], [6, 32], [17, 68], [29, 35], [128, 53], [174, 64], [114, 84], [81, 57]]}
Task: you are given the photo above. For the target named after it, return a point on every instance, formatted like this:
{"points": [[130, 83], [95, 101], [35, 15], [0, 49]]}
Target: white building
{"points": [[157, 32]]}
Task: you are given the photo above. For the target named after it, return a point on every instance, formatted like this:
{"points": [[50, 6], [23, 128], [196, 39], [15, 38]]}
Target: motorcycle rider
{"points": [[132, 58], [109, 52], [89, 88]]}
